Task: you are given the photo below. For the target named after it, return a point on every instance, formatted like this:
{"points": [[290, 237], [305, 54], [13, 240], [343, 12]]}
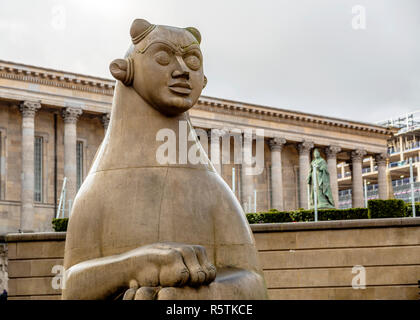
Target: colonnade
{"points": [[304, 149], [70, 117]]}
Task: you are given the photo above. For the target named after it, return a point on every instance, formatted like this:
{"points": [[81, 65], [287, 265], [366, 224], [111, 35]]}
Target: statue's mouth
{"points": [[181, 88]]}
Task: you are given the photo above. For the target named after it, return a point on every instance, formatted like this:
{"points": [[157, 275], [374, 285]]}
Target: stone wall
{"points": [[31, 261], [10, 216], [304, 260], [315, 260]]}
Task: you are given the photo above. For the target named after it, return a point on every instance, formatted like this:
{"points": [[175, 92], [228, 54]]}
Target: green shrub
{"points": [[273, 215], [343, 214], [302, 215], [409, 212], [330, 214], [392, 208], [60, 224]]}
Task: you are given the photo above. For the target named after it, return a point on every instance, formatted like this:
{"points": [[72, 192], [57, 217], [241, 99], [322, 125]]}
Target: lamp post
{"points": [[365, 192], [308, 189], [233, 180], [255, 200], [413, 205], [315, 187]]}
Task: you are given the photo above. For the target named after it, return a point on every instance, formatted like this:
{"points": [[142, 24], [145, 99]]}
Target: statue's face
{"points": [[168, 70], [316, 153]]}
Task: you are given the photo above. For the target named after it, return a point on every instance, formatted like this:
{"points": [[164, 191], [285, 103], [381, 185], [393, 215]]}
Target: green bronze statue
{"points": [[324, 195]]}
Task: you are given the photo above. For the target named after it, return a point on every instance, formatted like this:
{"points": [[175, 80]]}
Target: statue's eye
{"points": [[193, 62], [163, 58]]}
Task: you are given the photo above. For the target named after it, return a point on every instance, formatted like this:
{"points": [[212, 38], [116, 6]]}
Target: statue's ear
{"points": [[205, 82], [139, 29], [195, 33], [123, 70]]}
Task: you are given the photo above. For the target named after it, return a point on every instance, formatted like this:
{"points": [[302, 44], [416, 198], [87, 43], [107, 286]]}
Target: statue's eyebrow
{"points": [[174, 47]]}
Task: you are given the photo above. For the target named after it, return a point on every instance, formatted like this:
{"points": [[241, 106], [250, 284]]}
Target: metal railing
{"points": [[402, 192]]}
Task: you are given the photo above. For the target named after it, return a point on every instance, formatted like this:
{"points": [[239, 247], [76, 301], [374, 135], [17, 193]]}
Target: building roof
{"points": [[77, 81]]}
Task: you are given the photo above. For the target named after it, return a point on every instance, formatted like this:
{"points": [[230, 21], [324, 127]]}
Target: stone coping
{"points": [[261, 227], [336, 224], [35, 236]]}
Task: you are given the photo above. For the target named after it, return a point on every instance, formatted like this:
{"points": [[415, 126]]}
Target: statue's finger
{"points": [[197, 274], [208, 267], [129, 294], [146, 293], [173, 272]]}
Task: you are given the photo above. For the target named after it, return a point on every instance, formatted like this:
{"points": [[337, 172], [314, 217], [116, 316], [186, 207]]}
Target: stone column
{"points": [[215, 136], [304, 149], [357, 180], [331, 153], [381, 160], [247, 179], [418, 173], [276, 146], [70, 116], [105, 120], [28, 109]]}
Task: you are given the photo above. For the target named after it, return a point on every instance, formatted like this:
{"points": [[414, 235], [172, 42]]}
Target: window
{"points": [[38, 155], [79, 157]]}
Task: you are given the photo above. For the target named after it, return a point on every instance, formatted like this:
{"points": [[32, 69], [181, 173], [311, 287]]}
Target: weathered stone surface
{"points": [[346, 293], [33, 268], [32, 286], [317, 258]]}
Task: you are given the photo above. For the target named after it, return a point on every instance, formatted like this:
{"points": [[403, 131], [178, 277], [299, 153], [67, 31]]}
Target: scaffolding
{"points": [[406, 123]]}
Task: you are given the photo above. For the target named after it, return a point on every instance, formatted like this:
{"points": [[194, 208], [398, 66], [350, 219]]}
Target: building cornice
{"points": [[75, 81], [274, 114], [56, 78]]}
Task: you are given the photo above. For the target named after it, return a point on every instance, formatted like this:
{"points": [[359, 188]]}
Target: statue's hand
{"points": [[169, 265], [230, 284]]}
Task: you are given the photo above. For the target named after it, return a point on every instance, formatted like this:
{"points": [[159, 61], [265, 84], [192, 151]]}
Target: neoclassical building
{"points": [[52, 122]]}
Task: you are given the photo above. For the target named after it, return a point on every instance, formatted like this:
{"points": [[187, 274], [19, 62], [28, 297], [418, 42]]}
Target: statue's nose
{"points": [[182, 70]]}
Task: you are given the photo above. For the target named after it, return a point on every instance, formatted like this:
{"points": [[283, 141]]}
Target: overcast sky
{"points": [[295, 54]]}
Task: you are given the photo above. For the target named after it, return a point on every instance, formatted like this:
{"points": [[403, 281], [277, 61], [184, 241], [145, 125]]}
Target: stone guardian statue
{"points": [[142, 229], [324, 195]]}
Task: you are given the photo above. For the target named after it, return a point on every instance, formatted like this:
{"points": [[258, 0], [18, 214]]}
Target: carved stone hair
{"points": [[195, 33], [140, 28], [123, 69]]}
